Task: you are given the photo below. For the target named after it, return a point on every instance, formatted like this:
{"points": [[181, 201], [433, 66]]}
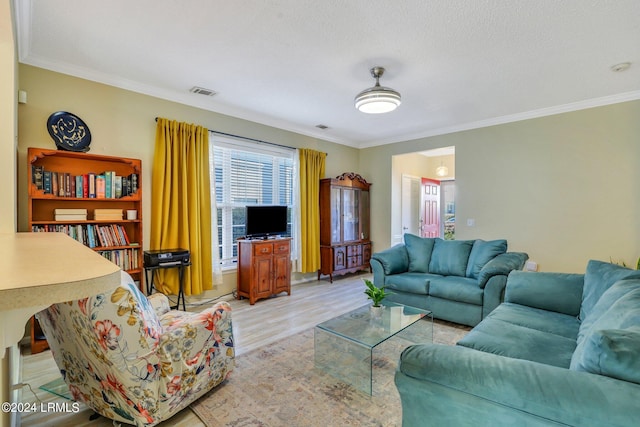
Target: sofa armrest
{"points": [[208, 331], [378, 272], [503, 264], [559, 292], [393, 260], [493, 294], [452, 385], [160, 303]]}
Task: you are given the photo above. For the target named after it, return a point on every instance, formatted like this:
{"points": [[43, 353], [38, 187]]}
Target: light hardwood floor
{"points": [[254, 326]]}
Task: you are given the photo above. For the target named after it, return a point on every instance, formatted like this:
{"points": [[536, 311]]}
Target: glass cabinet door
{"points": [[351, 214], [336, 215], [364, 214]]}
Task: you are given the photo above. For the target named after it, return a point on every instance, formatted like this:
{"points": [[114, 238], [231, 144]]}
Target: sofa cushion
{"points": [[481, 253], [449, 257], [613, 353], [624, 314], [456, 288], [599, 277], [614, 293], [559, 292], [419, 251], [411, 282], [520, 342], [535, 318]]}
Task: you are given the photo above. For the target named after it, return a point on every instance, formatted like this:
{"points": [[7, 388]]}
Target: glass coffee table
{"points": [[343, 346]]}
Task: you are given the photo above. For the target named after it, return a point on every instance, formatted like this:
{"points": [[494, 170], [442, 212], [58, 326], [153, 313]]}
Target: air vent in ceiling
{"points": [[202, 91], [323, 127]]}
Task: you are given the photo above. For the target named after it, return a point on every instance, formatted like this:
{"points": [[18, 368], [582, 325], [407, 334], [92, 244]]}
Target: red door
{"points": [[430, 208]]}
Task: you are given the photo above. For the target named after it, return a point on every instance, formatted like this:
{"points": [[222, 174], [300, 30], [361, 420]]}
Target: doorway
{"points": [[448, 209], [430, 212], [411, 212], [425, 193]]}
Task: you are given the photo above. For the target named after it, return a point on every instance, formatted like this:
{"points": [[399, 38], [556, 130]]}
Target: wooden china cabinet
{"points": [[344, 225]]}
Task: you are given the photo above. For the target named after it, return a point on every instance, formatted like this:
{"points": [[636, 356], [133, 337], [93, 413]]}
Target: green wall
{"points": [[122, 123], [563, 188]]}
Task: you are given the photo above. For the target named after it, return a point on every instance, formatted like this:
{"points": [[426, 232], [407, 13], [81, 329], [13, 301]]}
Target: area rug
{"points": [[278, 385]]}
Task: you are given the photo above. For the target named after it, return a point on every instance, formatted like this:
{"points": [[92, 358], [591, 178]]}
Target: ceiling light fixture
{"points": [[442, 170], [377, 99]]}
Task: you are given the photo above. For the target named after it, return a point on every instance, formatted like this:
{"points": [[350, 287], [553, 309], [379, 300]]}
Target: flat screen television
{"points": [[263, 221]]}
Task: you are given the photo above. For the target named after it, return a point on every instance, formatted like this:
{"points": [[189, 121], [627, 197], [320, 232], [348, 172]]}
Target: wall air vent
{"points": [[202, 91]]}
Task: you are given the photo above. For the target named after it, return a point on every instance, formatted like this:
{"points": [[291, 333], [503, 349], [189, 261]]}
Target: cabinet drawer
{"points": [[354, 261], [281, 247], [354, 250], [262, 249]]}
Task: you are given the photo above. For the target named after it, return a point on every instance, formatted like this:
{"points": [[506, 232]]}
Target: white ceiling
{"points": [[294, 64]]}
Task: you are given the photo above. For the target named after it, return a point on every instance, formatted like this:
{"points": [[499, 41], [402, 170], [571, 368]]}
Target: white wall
{"points": [[8, 118]]}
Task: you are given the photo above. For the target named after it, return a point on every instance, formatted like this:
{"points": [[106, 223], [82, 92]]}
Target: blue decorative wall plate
{"points": [[69, 132]]}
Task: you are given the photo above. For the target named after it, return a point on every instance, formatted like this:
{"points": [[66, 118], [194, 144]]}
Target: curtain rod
{"points": [[251, 139]]}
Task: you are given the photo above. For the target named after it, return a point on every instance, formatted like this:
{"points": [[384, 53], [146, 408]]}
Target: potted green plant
{"points": [[376, 295]]}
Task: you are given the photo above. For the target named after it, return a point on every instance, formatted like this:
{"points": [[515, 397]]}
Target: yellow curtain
{"points": [[181, 203], [312, 165]]}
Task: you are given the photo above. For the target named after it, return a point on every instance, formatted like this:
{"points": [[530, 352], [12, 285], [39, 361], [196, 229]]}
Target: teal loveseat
{"points": [[563, 349], [460, 281]]}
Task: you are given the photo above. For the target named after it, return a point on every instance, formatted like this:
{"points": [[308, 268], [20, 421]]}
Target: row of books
{"points": [[106, 185], [77, 214], [126, 259], [91, 235]]}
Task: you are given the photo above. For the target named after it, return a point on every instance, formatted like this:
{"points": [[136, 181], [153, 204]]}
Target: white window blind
{"points": [[248, 173]]}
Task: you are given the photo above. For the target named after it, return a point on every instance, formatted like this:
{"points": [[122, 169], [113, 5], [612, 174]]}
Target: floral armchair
{"points": [[132, 359]]}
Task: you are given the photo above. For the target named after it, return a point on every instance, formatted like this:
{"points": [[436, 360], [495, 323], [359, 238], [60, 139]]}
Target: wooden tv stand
{"points": [[264, 268]]}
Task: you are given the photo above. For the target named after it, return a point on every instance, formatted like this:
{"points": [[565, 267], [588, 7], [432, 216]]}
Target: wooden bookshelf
{"points": [[126, 251]]}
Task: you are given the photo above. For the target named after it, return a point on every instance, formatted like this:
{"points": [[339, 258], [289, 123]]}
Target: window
{"points": [[247, 173]]}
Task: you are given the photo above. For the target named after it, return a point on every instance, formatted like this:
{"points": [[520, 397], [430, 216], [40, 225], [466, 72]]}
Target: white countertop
{"points": [[40, 269]]}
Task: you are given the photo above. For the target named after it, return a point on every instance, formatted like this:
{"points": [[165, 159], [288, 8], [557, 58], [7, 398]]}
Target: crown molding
{"points": [[534, 114]]}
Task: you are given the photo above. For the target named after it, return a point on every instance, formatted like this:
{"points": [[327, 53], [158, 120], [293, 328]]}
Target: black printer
{"points": [[166, 257]]}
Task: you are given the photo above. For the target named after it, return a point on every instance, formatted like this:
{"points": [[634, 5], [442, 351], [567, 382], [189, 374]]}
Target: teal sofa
{"points": [[563, 349], [460, 281]]}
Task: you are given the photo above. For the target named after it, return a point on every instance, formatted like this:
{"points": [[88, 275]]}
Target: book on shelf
{"points": [[47, 182], [78, 183], [61, 185], [107, 184], [117, 185], [85, 186], [77, 211], [107, 218], [37, 176], [101, 186], [70, 217], [70, 214], [134, 182], [107, 214], [92, 185], [108, 211]]}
